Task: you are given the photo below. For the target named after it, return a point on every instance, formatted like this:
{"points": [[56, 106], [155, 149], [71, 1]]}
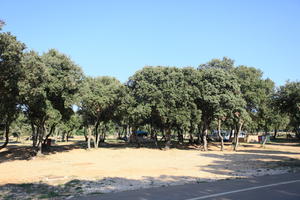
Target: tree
{"points": [[99, 97], [48, 88], [226, 64], [219, 96], [192, 124], [70, 127], [288, 101], [11, 52], [64, 83], [33, 96], [257, 93], [160, 93]]}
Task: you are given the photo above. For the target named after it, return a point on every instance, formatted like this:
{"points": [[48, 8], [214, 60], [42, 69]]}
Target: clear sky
{"points": [[117, 38]]}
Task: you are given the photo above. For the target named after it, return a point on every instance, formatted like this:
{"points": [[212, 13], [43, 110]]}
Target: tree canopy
{"points": [[52, 93]]}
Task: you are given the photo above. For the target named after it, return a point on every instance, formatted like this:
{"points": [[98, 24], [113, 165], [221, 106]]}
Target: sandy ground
{"points": [[116, 169]]}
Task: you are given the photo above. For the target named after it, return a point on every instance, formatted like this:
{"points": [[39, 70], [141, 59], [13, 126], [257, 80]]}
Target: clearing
{"points": [[70, 170]]}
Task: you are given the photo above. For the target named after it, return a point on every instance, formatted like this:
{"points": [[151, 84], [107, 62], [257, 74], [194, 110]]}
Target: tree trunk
{"points": [[297, 132], [119, 132], [6, 137], [180, 136], [127, 130], [265, 140], [152, 133], [41, 132], [97, 141], [231, 132], [191, 140], [168, 139], [90, 137], [191, 131], [48, 135], [205, 139], [220, 135], [155, 139], [199, 134], [63, 136], [96, 133], [34, 135], [275, 133], [236, 137], [85, 134]]}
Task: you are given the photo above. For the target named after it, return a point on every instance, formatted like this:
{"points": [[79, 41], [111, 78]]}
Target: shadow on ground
{"points": [[252, 162], [16, 151], [22, 152], [246, 162], [77, 187]]}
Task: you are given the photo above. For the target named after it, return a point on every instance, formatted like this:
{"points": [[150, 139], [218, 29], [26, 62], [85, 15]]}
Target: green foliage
{"points": [[32, 86], [11, 52], [169, 99], [219, 95], [258, 94], [99, 99], [64, 82], [163, 96], [226, 64], [287, 100]]}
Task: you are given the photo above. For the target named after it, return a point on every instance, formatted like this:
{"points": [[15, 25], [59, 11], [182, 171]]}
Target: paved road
{"points": [[277, 187]]}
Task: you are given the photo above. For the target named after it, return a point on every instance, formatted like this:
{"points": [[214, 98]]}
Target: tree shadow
{"points": [[18, 152], [149, 145], [76, 187], [25, 152], [251, 163], [286, 142], [267, 152]]}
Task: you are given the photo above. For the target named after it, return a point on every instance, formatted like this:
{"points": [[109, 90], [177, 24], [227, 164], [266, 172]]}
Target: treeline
{"points": [[171, 101]]}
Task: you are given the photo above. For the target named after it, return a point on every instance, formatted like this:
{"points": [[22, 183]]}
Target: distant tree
{"points": [[70, 127], [257, 93], [288, 101], [129, 113], [98, 101], [226, 64], [161, 93], [265, 112], [33, 96], [48, 88], [280, 121], [64, 83], [241, 117], [11, 52], [219, 96], [192, 123]]}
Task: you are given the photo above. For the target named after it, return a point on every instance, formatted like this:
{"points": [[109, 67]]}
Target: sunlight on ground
{"points": [[122, 168]]}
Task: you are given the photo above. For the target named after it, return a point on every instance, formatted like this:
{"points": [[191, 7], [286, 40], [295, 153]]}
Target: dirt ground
{"points": [[118, 167]]}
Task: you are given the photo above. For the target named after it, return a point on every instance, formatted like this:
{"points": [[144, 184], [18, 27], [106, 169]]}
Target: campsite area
{"points": [[70, 170]]}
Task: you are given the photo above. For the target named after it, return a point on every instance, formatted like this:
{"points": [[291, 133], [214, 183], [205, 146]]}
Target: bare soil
{"points": [[69, 169]]}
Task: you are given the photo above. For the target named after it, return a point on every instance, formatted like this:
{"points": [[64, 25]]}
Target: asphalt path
{"points": [[275, 187]]}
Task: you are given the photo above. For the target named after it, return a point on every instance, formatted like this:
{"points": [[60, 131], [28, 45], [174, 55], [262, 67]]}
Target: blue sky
{"points": [[117, 38]]}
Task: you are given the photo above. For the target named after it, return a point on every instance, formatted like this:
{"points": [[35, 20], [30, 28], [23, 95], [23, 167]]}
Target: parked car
{"points": [[214, 136], [141, 133]]}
